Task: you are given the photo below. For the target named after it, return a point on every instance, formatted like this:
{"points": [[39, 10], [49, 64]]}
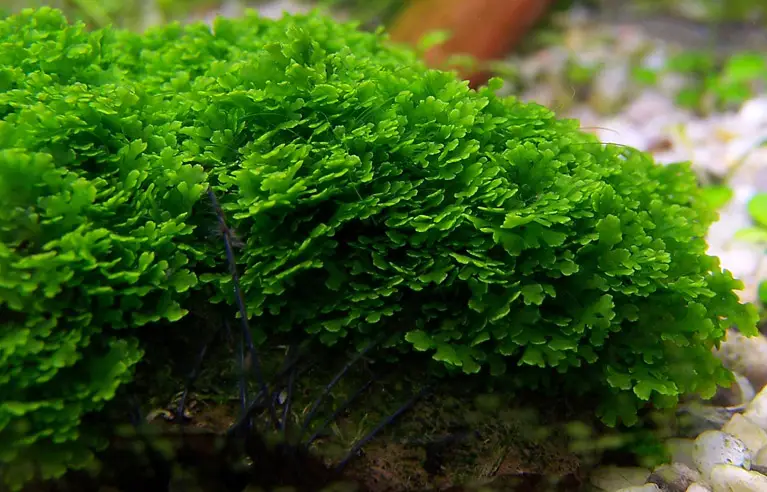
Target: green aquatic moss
{"points": [[372, 196]]}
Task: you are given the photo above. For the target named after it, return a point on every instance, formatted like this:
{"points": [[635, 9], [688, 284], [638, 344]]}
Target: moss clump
{"points": [[373, 197]]}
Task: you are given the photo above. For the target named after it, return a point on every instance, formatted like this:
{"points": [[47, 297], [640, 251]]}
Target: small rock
{"points": [[742, 260], [696, 418], [622, 132], [680, 450], [753, 436], [751, 167], [648, 487], [746, 356], [676, 477], [731, 478], [648, 105], [716, 447], [612, 478], [277, 8], [698, 487], [609, 89], [753, 112], [741, 392], [760, 458], [756, 411], [741, 146], [672, 83]]}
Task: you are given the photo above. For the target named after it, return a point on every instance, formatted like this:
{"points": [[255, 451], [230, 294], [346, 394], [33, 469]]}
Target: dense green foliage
{"points": [[372, 195], [94, 193]]}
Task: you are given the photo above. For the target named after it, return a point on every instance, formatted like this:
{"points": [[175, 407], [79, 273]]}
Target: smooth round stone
{"points": [[745, 355], [277, 8], [731, 478], [674, 477], [756, 411], [713, 448], [753, 112], [760, 458], [680, 449], [753, 436], [739, 393], [612, 478], [759, 461], [698, 487], [696, 418], [648, 487]]}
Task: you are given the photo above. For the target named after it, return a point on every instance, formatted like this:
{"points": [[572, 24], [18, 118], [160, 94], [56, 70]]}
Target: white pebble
{"points": [[648, 487], [760, 459], [746, 356], [698, 487], [624, 133], [612, 478], [741, 147], [737, 395], [754, 112], [674, 477], [731, 478], [610, 85], [276, 9], [680, 449], [751, 169], [741, 260], [753, 436], [647, 106], [756, 411], [716, 447]]}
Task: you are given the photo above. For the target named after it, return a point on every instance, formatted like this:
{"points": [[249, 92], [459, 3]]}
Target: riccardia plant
{"points": [[372, 196]]}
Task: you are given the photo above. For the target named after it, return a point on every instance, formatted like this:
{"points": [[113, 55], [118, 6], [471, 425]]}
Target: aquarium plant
{"points": [[372, 197]]}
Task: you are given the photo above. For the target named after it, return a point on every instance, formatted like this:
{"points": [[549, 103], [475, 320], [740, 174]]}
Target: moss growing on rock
{"points": [[374, 198]]}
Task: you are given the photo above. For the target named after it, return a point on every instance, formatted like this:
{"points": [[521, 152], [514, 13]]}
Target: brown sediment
{"points": [[449, 444]]}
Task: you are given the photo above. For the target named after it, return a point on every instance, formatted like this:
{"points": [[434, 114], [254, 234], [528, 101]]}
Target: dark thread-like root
{"points": [[254, 360]]}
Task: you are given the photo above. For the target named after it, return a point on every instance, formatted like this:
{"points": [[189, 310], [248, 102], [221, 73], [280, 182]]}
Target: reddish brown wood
{"points": [[484, 29]]}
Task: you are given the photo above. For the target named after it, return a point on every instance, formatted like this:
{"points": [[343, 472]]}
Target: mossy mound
{"points": [[374, 199]]}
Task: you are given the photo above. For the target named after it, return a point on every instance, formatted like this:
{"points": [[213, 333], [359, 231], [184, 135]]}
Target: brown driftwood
{"points": [[483, 29]]}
